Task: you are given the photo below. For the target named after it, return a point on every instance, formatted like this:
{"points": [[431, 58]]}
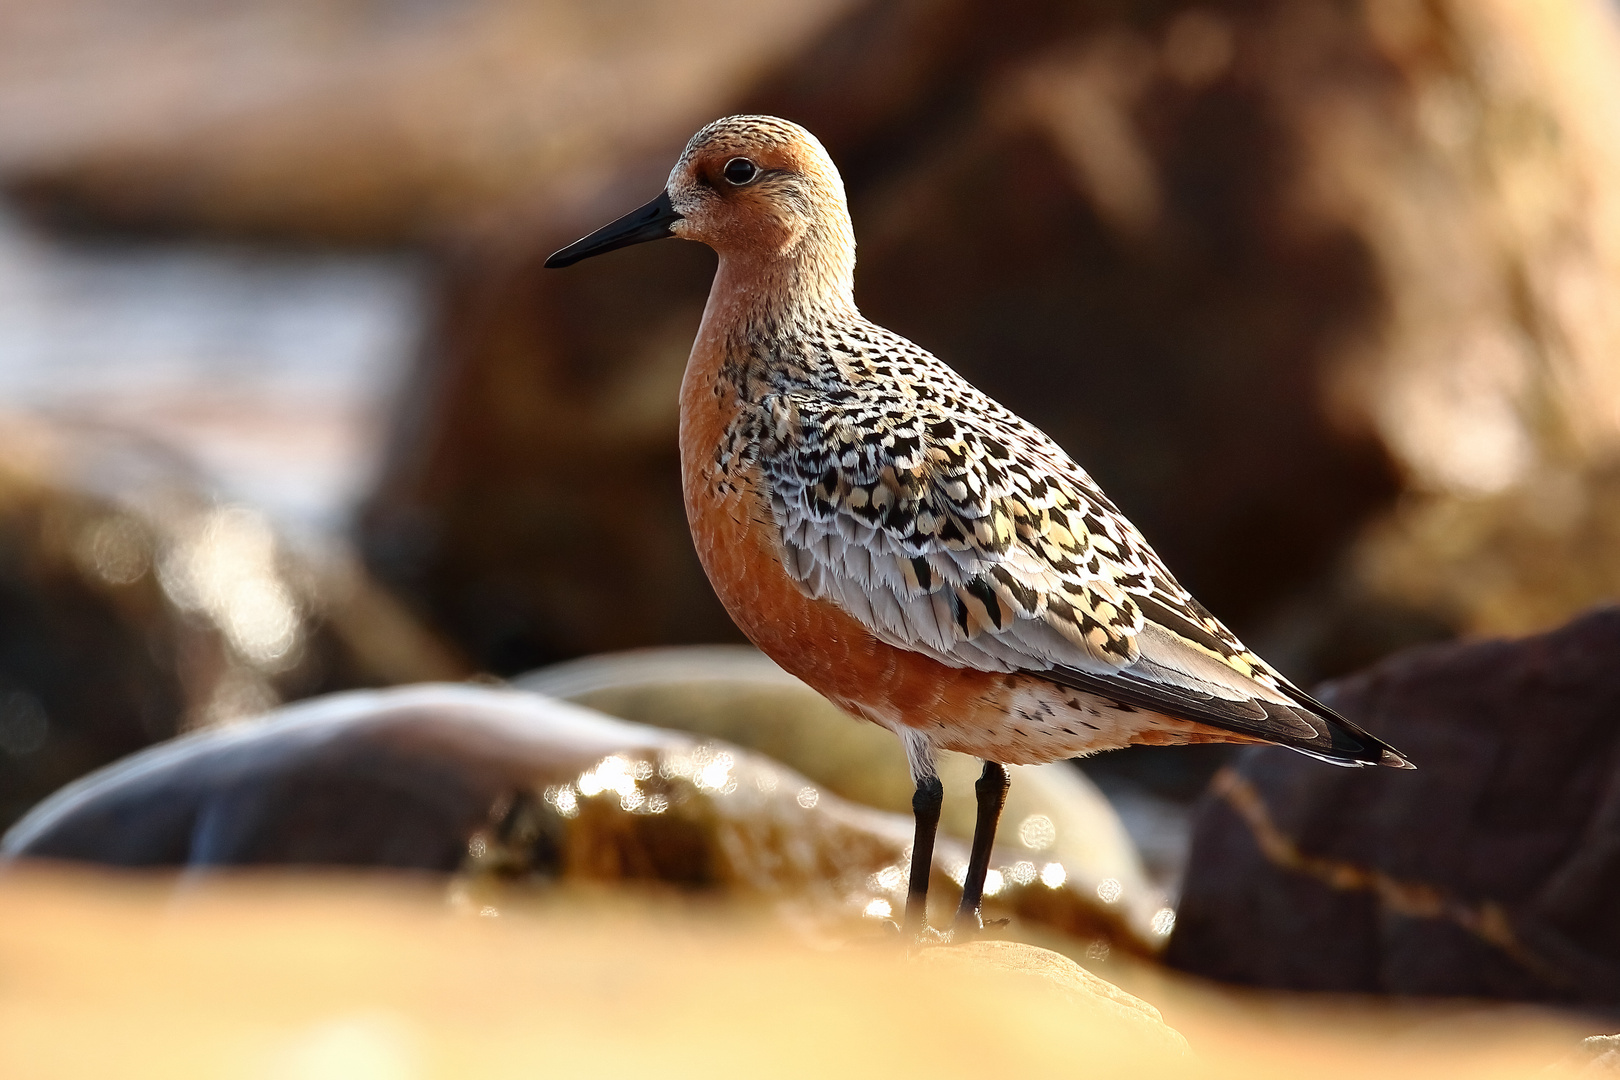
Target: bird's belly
{"points": [[1013, 718]]}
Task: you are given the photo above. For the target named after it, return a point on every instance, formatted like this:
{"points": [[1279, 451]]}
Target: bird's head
{"points": [[754, 188]]}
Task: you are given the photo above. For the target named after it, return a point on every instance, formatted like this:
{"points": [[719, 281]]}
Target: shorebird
{"points": [[916, 552]]}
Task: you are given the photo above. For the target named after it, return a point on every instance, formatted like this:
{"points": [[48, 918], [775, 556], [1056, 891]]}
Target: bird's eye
{"points": [[739, 171]]}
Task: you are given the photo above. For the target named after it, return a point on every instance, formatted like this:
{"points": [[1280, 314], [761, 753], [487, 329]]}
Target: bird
{"points": [[917, 553]]}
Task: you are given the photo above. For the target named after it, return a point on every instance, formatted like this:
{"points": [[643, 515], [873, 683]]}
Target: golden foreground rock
{"points": [[378, 979]]}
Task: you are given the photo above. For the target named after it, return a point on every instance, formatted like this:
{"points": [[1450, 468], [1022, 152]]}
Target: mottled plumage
{"points": [[908, 546]]}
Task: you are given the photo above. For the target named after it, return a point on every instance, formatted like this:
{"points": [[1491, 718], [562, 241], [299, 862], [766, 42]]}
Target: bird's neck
{"points": [[761, 303], [813, 277]]}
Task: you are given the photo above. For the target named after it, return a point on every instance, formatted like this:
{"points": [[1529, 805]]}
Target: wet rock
{"points": [[132, 606], [515, 793], [1491, 871], [1055, 817]]}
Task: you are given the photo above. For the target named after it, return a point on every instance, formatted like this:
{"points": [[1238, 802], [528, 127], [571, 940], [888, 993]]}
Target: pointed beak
{"points": [[651, 222]]}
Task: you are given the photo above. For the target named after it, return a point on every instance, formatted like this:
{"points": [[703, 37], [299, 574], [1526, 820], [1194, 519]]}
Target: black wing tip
{"points": [[1394, 760], [1358, 746], [1304, 725], [1357, 753]]}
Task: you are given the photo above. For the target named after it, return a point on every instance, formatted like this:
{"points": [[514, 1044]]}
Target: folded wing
{"points": [[948, 526]]}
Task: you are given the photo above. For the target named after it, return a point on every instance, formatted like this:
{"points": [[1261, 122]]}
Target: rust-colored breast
{"points": [[737, 542], [1009, 717]]}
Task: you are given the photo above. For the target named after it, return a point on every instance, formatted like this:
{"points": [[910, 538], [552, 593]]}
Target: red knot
{"points": [[913, 550]]}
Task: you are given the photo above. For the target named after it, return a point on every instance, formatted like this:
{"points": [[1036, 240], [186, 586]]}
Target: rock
{"points": [[379, 124], [385, 778], [329, 975], [282, 976], [1054, 814], [133, 606], [1103, 1003], [1599, 1055], [515, 793], [1491, 871]]}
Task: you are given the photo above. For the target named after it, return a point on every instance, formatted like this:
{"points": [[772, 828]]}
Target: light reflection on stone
{"points": [[116, 549], [729, 694], [710, 823], [1037, 832], [226, 569], [715, 775], [612, 773], [562, 798], [888, 879]]}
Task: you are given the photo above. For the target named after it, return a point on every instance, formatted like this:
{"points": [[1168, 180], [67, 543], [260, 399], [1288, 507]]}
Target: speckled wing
{"points": [[948, 526]]}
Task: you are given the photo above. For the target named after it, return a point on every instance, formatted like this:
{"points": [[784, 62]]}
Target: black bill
{"points": [[651, 222]]}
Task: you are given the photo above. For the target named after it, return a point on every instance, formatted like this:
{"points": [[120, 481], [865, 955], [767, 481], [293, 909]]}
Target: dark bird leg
{"points": [[991, 789], [925, 805]]}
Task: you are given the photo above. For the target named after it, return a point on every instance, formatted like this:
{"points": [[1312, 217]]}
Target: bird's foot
{"points": [[926, 937], [971, 925]]}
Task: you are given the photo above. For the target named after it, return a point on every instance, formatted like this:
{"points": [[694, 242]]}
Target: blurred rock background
{"points": [[1321, 292], [1324, 294]]}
